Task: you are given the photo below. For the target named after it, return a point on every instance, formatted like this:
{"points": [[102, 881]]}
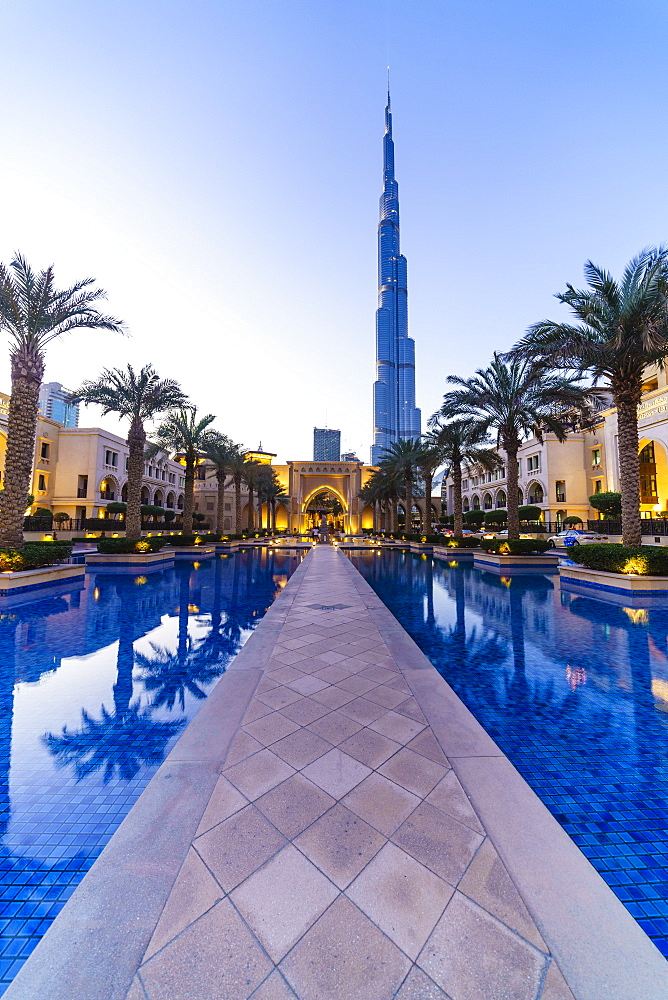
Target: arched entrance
{"points": [[325, 504]]}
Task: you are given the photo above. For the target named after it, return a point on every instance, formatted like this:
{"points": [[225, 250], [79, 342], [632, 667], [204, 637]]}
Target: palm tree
{"points": [[220, 451], [188, 435], [622, 328], [138, 397], [271, 490], [428, 460], [252, 477], [236, 469], [517, 398], [400, 460], [462, 443], [33, 312]]}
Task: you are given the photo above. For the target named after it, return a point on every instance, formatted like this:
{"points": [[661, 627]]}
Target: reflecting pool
{"points": [[575, 692], [96, 684]]}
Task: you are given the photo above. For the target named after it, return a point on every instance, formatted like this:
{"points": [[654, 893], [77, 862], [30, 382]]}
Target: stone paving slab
{"points": [[341, 851]]}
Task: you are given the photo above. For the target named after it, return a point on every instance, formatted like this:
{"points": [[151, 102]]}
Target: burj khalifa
{"points": [[395, 415]]}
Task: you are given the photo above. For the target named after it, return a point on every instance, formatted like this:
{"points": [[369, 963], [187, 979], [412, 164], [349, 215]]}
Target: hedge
{"points": [[203, 539], [459, 542], [516, 546], [130, 545], [33, 556], [643, 560]]}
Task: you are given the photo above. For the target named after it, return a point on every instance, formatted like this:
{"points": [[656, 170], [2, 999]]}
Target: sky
{"points": [[216, 166]]}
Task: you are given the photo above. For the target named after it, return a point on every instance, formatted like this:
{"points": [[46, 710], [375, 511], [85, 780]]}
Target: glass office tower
{"points": [[326, 445], [394, 412]]}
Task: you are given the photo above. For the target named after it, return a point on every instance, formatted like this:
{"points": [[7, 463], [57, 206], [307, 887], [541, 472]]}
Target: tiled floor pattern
{"points": [[339, 858]]}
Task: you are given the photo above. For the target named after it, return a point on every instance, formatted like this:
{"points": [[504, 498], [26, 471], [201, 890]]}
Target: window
{"points": [[209, 506], [41, 483], [465, 484], [648, 490], [164, 475], [82, 487], [595, 458], [228, 506], [182, 480], [127, 462], [111, 458], [560, 489], [44, 451], [172, 477], [533, 463], [598, 486]]}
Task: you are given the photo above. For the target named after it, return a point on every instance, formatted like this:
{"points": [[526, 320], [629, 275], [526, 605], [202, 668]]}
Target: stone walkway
{"points": [[339, 857]]}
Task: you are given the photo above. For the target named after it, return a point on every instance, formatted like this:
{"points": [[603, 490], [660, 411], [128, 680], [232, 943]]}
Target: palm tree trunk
{"points": [[458, 522], [237, 504], [511, 447], [428, 486], [189, 495], [220, 512], [394, 516], [251, 508], [27, 373], [629, 465], [136, 444], [408, 486]]}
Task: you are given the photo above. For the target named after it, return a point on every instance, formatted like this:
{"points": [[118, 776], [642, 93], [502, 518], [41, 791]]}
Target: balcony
{"points": [[107, 495], [82, 492], [561, 497]]}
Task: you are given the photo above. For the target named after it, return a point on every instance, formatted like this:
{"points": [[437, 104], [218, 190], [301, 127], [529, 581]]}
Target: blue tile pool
{"points": [[96, 683], [574, 689]]}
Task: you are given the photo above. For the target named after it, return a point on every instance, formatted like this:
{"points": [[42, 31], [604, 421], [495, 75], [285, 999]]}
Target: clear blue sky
{"points": [[217, 167]]}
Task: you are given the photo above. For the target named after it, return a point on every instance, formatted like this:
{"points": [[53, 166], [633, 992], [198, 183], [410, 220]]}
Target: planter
{"points": [[193, 551], [493, 562], [450, 552], [615, 583], [95, 559], [45, 576]]}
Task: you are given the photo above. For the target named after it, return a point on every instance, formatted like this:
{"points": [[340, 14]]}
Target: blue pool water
{"points": [[96, 684], [574, 689]]}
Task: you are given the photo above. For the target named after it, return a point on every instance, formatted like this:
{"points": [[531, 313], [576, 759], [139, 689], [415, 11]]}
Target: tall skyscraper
{"points": [[54, 404], [395, 415], [326, 445]]}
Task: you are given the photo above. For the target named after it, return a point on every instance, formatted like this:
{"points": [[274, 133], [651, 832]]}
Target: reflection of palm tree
{"points": [[117, 743], [170, 675], [125, 739]]}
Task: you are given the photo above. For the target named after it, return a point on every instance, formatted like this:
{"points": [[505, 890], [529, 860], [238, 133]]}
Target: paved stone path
{"points": [[339, 857]]}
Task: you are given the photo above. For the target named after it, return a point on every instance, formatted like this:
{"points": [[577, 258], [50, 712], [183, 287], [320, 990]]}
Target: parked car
{"points": [[492, 533], [575, 536]]}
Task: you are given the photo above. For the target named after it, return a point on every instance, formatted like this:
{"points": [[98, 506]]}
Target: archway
{"points": [[145, 495], [653, 477], [325, 503], [535, 493], [169, 502], [108, 488], [501, 500], [487, 501], [475, 501], [465, 504], [159, 498]]}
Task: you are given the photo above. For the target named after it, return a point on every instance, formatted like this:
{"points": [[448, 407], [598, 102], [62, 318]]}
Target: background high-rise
{"points": [[394, 411]]}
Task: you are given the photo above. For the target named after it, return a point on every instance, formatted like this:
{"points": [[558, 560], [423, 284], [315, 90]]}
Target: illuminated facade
{"points": [[394, 412]]}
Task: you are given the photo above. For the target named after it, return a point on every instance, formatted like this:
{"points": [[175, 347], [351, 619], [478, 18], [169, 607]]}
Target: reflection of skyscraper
{"points": [[394, 413], [326, 445], [54, 404]]}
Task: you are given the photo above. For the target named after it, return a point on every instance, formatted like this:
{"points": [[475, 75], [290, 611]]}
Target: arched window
{"points": [[501, 500], [179, 504], [465, 504], [487, 501], [535, 493], [170, 501], [475, 501], [520, 497]]}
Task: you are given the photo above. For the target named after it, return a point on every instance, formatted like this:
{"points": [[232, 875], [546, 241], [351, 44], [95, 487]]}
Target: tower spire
{"points": [[395, 414]]}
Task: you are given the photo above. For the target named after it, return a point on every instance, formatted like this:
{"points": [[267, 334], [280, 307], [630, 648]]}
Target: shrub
{"points": [[607, 504], [186, 540], [61, 517], [529, 512], [473, 517], [130, 545], [516, 546], [643, 560], [496, 516], [573, 519], [460, 542], [169, 515], [42, 512], [116, 507], [34, 555]]}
